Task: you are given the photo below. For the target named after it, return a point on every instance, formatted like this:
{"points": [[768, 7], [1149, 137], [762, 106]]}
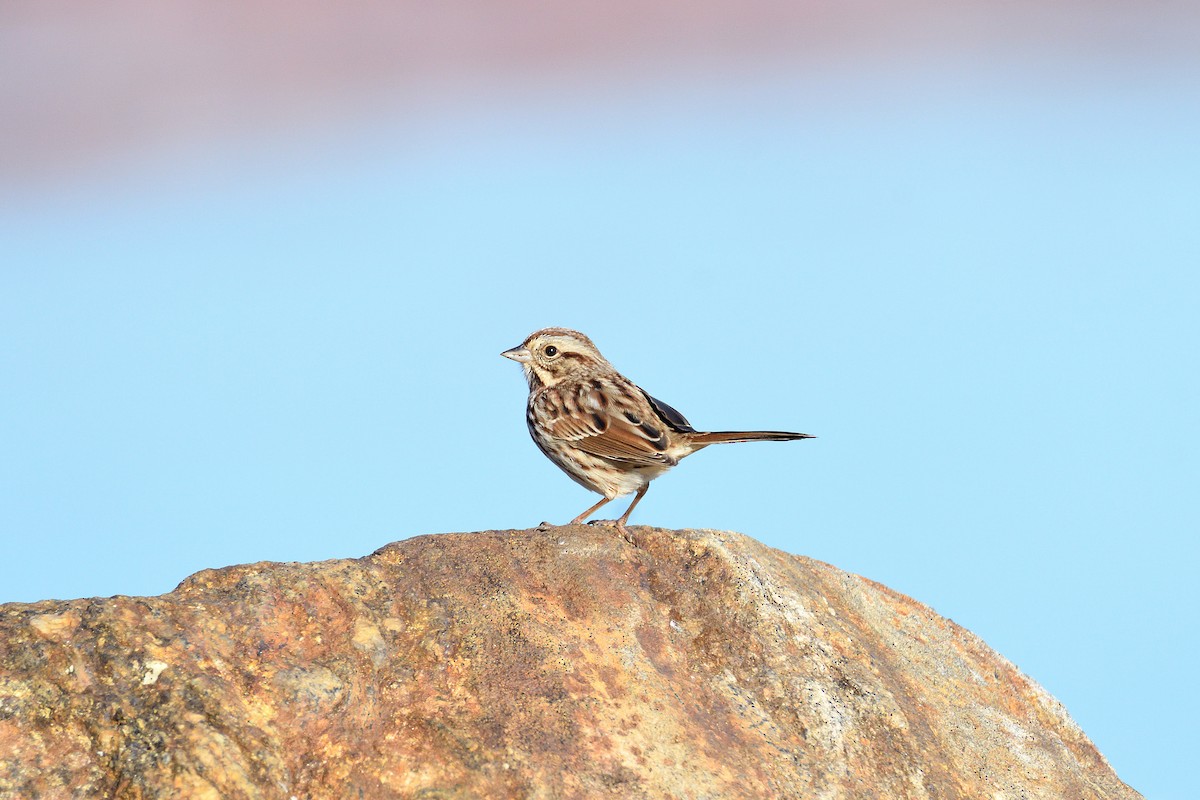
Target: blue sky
{"points": [[977, 287]]}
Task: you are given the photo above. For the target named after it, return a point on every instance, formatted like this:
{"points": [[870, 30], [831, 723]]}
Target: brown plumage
{"points": [[599, 427]]}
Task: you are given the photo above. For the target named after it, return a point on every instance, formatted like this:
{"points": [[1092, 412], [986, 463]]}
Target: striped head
{"points": [[552, 355]]}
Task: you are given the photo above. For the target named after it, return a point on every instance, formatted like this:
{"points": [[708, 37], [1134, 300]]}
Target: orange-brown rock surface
{"points": [[526, 664]]}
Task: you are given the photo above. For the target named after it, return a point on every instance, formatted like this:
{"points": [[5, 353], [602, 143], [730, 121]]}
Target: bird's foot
{"points": [[626, 534]]}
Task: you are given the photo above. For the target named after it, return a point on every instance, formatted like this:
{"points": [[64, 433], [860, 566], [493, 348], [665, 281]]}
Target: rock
{"points": [[526, 664]]}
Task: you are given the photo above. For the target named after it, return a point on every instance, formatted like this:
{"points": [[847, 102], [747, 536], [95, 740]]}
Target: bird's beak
{"points": [[518, 353]]}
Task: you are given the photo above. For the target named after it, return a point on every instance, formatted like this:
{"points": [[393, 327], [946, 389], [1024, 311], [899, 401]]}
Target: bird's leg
{"points": [[579, 520], [625, 517]]}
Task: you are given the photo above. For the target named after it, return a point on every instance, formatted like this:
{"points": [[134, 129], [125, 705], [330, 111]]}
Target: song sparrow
{"points": [[599, 427]]}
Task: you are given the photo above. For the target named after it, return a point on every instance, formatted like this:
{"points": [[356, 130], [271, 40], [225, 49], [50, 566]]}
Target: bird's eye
{"points": [[551, 351]]}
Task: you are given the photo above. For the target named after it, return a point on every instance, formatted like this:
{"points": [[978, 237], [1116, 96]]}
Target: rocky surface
{"points": [[526, 664]]}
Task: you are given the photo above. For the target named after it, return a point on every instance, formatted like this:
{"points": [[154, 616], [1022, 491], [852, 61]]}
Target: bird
{"points": [[603, 430]]}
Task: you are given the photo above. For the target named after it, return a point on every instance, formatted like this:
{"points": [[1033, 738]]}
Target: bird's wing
{"points": [[606, 418], [675, 421]]}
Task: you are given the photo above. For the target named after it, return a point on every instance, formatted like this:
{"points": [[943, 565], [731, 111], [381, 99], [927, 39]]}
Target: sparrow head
{"points": [[552, 355]]}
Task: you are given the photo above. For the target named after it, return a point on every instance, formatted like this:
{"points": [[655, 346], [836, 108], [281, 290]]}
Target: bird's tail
{"points": [[717, 437]]}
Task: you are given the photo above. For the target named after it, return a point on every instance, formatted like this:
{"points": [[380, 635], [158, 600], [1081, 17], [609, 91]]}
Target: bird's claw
{"points": [[626, 534]]}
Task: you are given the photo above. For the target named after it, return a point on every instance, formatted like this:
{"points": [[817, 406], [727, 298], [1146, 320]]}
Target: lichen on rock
{"points": [[526, 664]]}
